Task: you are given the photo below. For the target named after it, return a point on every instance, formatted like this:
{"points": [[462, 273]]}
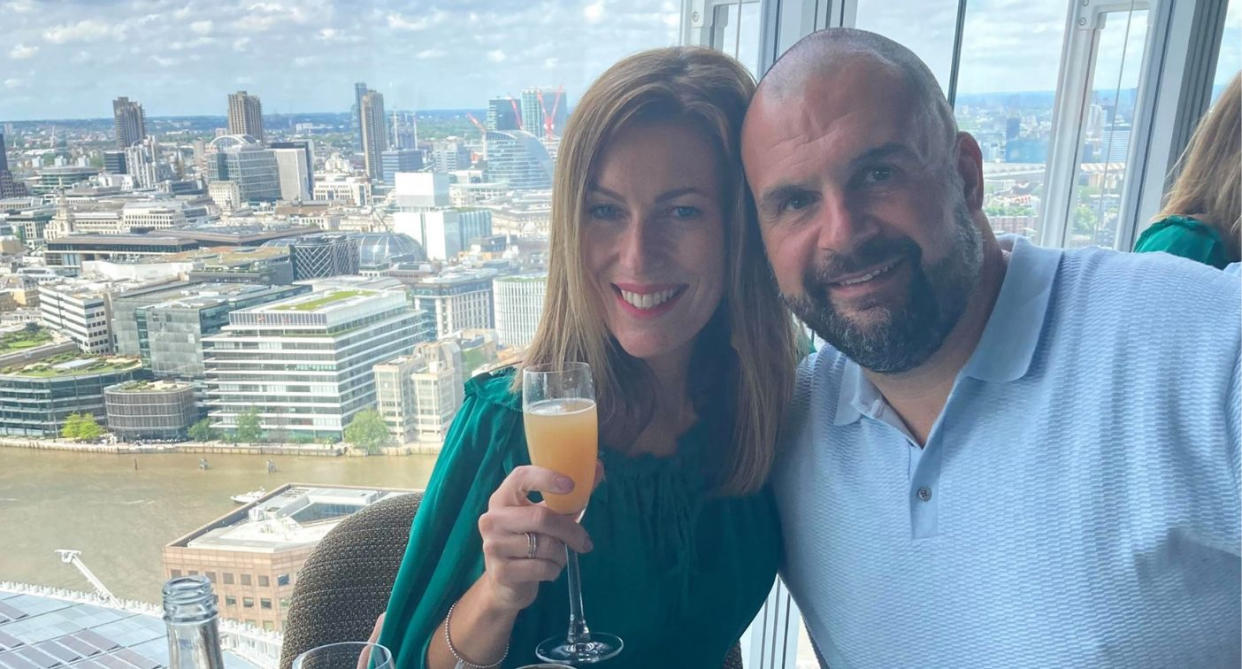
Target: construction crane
{"points": [[70, 556], [549, 117], [517, 113]]}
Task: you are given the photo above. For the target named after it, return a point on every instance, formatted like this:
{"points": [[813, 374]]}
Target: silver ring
{"points": [[532, 545]]}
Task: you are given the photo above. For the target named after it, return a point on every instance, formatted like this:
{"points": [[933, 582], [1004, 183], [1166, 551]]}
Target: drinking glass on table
{"points": [[346, 655], [558, 403]]}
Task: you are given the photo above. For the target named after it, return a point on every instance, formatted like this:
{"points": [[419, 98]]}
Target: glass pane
{"points": [[1006, 92], [926, 28], [738, 38], [1229, 61], [1101, 174]]}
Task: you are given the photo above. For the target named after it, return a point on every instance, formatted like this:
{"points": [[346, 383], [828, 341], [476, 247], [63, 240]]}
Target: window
{"points": [[230, 601], [283, 579], [245, 579], [228, 578], [264, 581], [248, 602], [1229, 59], [176, 573], [265, 603], [269, 625], [211, 576]]}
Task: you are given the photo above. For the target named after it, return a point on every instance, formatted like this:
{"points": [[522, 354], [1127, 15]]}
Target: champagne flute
{"points": [[558, 403], [345, 655]]}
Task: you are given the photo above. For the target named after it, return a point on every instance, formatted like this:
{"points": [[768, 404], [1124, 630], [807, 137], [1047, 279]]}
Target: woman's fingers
{"points": [[517, 520], [516, 572], [527, 479], [517, 547]]}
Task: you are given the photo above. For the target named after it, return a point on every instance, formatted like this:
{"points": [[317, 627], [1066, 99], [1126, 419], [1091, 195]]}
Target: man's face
{"points": [[863, 220]]}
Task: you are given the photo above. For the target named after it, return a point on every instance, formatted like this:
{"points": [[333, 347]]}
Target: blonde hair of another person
{"points": [[751, 328], [1209, 186]]}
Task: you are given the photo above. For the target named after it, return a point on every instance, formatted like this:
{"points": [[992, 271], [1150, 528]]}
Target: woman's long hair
{"points": [[744, 357], [1211, 168]]}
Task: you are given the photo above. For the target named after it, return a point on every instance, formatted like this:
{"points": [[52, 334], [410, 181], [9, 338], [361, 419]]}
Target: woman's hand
{"points": [[511, 576]]}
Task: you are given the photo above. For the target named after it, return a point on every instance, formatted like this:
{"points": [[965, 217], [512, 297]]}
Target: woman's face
{"points": [[653, 237]]}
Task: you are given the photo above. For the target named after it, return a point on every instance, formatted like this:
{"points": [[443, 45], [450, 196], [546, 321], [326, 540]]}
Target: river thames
{"points": [[120, 517]]}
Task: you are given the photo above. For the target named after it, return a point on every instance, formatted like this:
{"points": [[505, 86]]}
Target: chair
{"points": [[345, 583]]}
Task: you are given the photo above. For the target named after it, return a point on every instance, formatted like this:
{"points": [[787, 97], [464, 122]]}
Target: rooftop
{"points": [[72, 364], [144, 386], [292, 516], [316, 301], [18, 340]]}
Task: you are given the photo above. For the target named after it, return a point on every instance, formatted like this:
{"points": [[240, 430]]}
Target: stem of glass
{"points": [[578, 631]]}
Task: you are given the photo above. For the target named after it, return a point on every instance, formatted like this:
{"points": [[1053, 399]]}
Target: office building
{"points": [[352, 190], [374, 133], [458, 300], [67, 254], [518, 307], [245, 115], [8, 186], [421, 190], [418, 395], [321, 255], [241, 160], [444, 233], [37, 397], [295, 164], [404, 130], [80, 311], [141, 162], [114, 162], [518, 159], [394, 161], [51, 180], [360, 89], [144, 409], [129, 122], [449, 156], [252, 555], [502, 114], [538, 104], [153, 215], [304, 364]]}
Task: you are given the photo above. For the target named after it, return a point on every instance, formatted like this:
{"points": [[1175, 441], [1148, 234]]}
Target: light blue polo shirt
{"points": [[1076, 504]]}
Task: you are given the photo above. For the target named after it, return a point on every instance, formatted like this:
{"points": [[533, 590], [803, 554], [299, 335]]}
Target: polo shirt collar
{"points": [[1007, 346]]}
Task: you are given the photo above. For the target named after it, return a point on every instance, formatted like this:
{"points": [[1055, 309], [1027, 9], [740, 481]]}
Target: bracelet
{"points": [[463, 663]]}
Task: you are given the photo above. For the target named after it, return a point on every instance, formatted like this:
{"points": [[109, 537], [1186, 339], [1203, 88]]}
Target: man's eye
{"points": [[878, 175]]}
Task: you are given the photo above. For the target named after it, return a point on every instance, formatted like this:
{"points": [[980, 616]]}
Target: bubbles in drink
{"points": [[560, 407]]}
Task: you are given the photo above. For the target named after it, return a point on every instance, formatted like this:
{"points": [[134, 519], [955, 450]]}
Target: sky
{"points": [[69, 58]]}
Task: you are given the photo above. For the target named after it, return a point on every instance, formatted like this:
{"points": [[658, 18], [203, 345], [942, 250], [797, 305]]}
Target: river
{"points": [[120, 517]]}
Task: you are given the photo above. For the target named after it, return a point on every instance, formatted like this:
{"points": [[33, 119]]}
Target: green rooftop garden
{"points": [[11, 342], [71, 364], [334, 296]]}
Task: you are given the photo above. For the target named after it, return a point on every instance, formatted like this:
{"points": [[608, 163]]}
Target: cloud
{"points": [[551, 62], [399, 22], [430, 54], [19, 6], [22, 52], [201, 27], [87, 30], [327, 34], [594, 12], [165, 62], [241, 43], [12, 84], [496, 56]]}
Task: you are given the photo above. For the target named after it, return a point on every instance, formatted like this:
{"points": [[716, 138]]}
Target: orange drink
{"points": [[561, 435]]}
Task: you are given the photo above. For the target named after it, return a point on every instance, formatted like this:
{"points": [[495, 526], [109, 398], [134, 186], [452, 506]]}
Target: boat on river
{"points": [[248, 497]]}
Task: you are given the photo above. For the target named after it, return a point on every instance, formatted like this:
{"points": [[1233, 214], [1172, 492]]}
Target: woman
{"points": [[1203, 211], [658, 281]]}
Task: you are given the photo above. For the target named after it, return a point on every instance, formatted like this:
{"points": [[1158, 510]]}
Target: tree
{"points": [[201, 431], [31, 328], [73, 426], [89, 429], [367, 431], [248, 428]]}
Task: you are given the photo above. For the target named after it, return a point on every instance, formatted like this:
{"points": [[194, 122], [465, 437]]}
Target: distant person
{"points": [[1203, 211], [657, 279], [1006, 458]]}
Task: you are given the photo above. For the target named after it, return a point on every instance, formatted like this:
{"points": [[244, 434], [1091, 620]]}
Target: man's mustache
{"points": [[873, 252]]}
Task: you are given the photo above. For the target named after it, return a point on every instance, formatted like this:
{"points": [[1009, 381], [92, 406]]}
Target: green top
{"points": [[675, 572], [1186, 237]]}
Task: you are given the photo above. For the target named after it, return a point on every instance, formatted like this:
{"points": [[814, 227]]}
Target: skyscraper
{"points": [[241, 160], [537, 105], [295, 161], [8, 187], [374, 133], [403, 130], [400, 160], [502, 114], [245, 115], [129, 121], [360, 89]]}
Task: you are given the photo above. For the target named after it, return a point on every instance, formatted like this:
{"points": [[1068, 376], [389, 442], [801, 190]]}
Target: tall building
{"points": [[245, 115], [319, 256], [114, 162], [518, 159], [418, 395], [142, 163], [293, 166], [518, 307], [404, 130], [129, 121], [444, 233], [460, 300], [8, 187], [537, 105], [79, 311], [240, 159], [354, 190], [421, 190], [502, 114], [253, 555], [360, 89], [400, 160], [374, 133], [449, 156], [304, 364]]}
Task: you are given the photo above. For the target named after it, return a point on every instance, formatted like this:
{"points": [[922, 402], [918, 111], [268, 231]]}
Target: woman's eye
{"points": [[795, 202], [605, 212], [685, 212]]}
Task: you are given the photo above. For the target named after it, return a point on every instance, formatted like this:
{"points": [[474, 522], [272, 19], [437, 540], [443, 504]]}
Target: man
{"points": [[1007, 458]]}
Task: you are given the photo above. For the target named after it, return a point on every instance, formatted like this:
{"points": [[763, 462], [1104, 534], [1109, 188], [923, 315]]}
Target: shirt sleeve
{"points": [[1182, 241], [444, 555]]}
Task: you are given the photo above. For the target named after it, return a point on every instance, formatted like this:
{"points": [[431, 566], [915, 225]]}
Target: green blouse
{"points": [[676, 572], [1186, 237]]}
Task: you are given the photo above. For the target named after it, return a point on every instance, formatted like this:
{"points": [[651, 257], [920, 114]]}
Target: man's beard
{"points": [[898, 337]]}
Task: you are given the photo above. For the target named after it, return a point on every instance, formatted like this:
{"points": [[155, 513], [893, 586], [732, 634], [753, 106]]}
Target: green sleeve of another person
{"points": [[1186, 237]]}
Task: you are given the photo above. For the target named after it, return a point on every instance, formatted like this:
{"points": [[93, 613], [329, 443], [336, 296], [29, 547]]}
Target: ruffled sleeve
{"points": [[444, 555]]}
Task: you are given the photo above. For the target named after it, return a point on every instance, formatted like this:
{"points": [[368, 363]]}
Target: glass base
{"points": [[597, 648]]}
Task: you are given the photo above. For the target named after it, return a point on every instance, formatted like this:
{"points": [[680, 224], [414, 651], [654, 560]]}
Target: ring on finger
{"points": [[532, 545]]}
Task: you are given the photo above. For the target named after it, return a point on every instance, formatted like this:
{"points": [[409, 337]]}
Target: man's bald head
{"points": [[827, 52]]}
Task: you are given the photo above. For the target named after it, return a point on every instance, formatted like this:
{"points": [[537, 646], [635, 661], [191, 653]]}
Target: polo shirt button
{"points": [[924, 493]]}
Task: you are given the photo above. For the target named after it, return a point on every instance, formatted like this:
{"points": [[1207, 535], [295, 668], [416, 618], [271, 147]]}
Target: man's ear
{"points": [[970, 167]]}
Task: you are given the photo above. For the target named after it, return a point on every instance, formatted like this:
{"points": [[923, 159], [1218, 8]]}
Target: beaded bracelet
{"points": [[463, 663]]}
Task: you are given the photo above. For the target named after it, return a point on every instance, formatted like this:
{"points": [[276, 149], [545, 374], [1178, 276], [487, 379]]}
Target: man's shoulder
{"points": [[1148, 273]]}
